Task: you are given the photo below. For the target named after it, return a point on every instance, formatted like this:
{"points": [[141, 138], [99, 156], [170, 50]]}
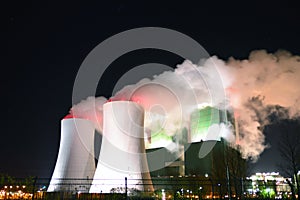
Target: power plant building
{"points": [[82, 166], [200, 122]]}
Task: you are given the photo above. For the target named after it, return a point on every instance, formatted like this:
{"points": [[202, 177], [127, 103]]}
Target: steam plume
{"points": [[252, 90], [91, 109]]}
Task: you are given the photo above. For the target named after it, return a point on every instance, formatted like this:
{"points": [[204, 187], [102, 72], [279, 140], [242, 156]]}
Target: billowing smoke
{"points": [[91, 109], [253, 90], [264, 86]]}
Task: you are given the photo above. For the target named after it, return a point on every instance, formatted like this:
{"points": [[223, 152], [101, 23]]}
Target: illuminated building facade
{"points": [[269, 185], [202, 120]]}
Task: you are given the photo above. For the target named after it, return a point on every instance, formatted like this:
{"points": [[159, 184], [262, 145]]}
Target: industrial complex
{"points": [[123, 159], [122, 150]]}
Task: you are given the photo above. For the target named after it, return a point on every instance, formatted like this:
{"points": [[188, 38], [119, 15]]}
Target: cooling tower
{"points": [[122, 151], [75, 165]]}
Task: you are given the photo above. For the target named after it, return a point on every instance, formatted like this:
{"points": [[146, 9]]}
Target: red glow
{"points": [[233, 96], [115, 99], [231, 90], [236, 114], [69, 116], [136, 100]]}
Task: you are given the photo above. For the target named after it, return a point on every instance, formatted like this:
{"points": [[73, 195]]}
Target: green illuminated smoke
{"points": [[201, 120], [161, 135]]}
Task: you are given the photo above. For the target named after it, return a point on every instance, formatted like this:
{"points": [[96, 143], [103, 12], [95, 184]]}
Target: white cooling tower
{"points": [[75, 165], [122, 151]]}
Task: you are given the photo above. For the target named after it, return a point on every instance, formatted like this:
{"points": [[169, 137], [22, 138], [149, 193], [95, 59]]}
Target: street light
{"points": [[212, 185], [220, 190], [200, 192]]}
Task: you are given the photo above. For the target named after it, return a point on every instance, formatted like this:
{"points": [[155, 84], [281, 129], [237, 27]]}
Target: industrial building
{"points": [[86, 165]]}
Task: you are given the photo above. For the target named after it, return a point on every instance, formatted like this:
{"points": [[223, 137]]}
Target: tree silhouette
{"points": [[289, 148], [237, 167]]}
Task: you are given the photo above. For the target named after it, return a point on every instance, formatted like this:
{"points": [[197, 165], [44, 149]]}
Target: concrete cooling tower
{"points": [[75, 165], [122, 151]]}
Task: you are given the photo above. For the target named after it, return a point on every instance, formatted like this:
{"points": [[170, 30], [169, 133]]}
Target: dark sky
{"points": [[44, 44]]}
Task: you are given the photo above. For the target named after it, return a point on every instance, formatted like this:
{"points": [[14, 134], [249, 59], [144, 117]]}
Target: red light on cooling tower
{"points": [[136, 100], [69, 116], [117, 99]]}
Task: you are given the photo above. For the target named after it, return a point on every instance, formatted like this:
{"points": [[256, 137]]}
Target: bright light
{"points": [[206, 175], [163, 194]]}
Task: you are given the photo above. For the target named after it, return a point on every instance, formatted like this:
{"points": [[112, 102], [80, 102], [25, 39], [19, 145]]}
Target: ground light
{"points": [[14, 192]]}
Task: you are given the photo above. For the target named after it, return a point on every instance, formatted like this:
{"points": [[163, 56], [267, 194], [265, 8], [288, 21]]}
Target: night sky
{"points": [[44, 44]]}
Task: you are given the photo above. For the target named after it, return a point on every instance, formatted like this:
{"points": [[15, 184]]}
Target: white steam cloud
{"points": [[250, 89], [91, 109]]}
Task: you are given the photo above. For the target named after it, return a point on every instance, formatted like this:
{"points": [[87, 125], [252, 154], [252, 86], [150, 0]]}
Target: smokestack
{"points": [[122, 151], [75, 165], [237, 133]]}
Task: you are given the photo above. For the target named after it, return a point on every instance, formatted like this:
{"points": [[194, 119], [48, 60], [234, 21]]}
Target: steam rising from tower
{"points": [[261, 85]]}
